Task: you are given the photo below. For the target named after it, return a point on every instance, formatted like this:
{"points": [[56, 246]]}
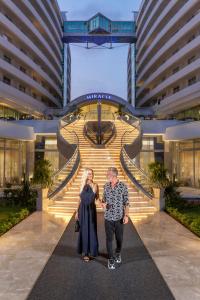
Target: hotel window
{"points": [[192, 80], [175, 51], [148, 143], [176, 89], [191, 38], [175, 70], [46, 148], [22, 88], [187, 164], [22, 50], [163, 78], [34, 95], [7, 58], [12, 161], [191, 59], [22, 69], [163, 96], [8, 18], [6, 80]]}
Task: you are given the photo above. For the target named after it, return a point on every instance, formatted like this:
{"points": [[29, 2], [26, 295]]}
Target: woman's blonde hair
{"points": [[84, 179]]}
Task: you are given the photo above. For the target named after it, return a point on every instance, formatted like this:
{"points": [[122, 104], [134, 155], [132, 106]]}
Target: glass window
{"points": [[148, 143], [1, 167], [12, 161], [186, 168], [145, 159], [46, 148], [75, 26], [6, 80], [12, 166], [123, 27], [197, 168]]}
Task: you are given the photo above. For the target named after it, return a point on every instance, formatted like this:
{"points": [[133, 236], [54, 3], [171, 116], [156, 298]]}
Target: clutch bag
{"points": [[77, 226]]}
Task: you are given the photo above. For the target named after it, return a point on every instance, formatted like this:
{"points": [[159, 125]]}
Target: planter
{"points": [[159, 200], [158, 192], [42, 200]]}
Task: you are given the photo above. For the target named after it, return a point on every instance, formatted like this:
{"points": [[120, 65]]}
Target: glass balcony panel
{"points": [[75, 27]]}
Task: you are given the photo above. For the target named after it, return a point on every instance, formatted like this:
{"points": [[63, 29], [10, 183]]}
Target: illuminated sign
{"points": [[98, 96]]}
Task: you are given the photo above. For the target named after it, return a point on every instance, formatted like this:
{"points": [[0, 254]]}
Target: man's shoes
{"points": [[111, 264], [118, 258]]}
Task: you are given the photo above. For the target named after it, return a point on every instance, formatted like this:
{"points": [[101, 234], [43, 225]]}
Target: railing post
{"points": [[99, 121]]}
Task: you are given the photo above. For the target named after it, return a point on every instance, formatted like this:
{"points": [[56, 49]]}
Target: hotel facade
{"points": [[163, 85], [168, 77]]}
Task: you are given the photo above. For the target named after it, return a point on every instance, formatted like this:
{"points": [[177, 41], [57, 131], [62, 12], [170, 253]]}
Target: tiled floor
{"points": [[24, 250], [176, 252]]}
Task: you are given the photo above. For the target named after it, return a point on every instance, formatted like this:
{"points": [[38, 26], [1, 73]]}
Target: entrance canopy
{"points": [[109, 99], [99, 30]]}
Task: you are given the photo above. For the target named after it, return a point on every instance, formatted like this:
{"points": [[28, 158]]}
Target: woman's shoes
{"points": [[86, 258]]}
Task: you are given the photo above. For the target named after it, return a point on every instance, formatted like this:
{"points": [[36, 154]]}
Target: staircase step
{"points": [[99, 160]]}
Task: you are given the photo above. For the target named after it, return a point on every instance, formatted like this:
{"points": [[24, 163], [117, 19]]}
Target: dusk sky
{"points": [[99, 70]]}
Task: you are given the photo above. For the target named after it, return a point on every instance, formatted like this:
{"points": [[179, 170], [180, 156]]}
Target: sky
{"points": [[99, 70]]}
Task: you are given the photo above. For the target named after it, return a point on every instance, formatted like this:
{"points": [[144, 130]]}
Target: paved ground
{"points": [[176, 252], [28, 247], [24, 250], [66, 276]]}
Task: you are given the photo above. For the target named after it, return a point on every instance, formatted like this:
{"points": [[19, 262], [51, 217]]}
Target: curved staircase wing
{"points": [[68, 147], [131, 144], [99, 159]]}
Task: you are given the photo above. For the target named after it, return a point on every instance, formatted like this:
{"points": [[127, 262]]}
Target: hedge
{"points": [[13, 219]]}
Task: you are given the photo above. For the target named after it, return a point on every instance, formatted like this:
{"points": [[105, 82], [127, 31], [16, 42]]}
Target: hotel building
{"points": [[32, 59], [168, 57], [163, 77], [35, 75], [168, 77]]}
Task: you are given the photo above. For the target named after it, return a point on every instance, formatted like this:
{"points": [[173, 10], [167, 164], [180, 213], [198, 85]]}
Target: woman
{"points": [[87, 216]]}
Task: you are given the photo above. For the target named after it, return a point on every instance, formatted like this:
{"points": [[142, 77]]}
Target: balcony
{"points": [[99, 24], [184, 99]]}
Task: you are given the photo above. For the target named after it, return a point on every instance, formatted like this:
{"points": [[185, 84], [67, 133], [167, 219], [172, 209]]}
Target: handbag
{"points": [[77, 226]]}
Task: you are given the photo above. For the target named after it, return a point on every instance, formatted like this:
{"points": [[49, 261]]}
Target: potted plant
{"points": [[42, 178], [159, 181]]}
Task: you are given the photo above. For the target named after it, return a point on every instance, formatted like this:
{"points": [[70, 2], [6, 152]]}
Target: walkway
{"points": [[176, 252], [31, 248], [24, 250], [66, 276]]}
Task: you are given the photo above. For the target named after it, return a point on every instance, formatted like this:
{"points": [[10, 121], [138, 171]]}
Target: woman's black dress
{"points": [[87, 239]]}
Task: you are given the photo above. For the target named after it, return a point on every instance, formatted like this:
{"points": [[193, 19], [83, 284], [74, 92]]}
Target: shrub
{"points": [[172, 196], [13, 219], [180, 209], [42, 174], [22, 197], [158, 175], [195, 226]]}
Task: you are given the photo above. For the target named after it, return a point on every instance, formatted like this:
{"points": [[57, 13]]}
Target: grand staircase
{"points": [[99, 159]]}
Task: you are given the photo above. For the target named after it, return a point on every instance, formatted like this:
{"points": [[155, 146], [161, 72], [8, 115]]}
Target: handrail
{"points": [[129, 151], [143, 186], [69, 151], [58, 185]]}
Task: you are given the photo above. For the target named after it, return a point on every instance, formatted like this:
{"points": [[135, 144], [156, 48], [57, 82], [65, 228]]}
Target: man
{"points": [[116, 204]]}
